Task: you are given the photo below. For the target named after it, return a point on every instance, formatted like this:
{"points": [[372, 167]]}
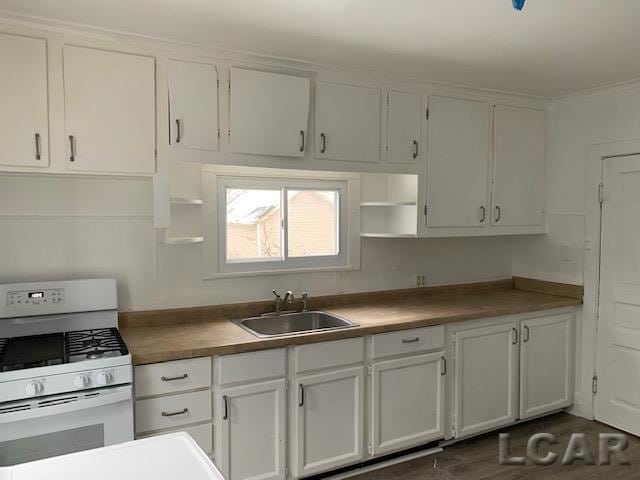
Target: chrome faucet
{"points": [[280, 301]]}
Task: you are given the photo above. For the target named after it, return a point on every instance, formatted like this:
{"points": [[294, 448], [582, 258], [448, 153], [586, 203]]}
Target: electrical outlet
{"points": [[421, 280]]}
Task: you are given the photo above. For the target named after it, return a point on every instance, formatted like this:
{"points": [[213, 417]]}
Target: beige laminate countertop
{"points": [[158, 343]]}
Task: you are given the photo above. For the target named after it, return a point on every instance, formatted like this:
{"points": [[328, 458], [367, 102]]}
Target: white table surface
{"points": [[168, 457]]}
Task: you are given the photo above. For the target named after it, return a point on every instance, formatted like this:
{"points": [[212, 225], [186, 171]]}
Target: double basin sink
{"points": [[292, 323]]}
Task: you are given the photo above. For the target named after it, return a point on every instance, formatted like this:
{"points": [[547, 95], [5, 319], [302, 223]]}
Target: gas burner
{"points": [[93, 344]]}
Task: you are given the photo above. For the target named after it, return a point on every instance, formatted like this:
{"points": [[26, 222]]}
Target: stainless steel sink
{"points": [[293, 323]]}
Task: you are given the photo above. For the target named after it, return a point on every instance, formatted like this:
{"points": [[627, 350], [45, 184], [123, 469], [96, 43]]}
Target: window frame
{"points": [[284, 263]]}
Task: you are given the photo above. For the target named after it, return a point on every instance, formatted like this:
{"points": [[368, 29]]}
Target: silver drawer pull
{"points": [[411, 340], [173, 414], [171, 379]]}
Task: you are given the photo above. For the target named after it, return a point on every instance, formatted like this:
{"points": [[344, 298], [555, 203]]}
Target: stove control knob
{"points": [[104, 378], [33, 388], [81, 381]]}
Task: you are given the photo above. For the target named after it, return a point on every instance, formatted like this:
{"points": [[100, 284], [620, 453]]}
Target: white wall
{"points": [[56, 227]]}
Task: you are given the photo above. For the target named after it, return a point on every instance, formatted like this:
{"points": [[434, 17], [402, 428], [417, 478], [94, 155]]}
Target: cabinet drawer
{"points": [[172, 411], [202, 434], [170, 377], [407, 341], [318, 356], [246, 367]]}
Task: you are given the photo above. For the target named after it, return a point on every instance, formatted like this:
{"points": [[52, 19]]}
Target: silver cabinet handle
{"points": [[411, 340], [302, 140], [173, 414], [515, 336], [37, 135], [178, 130], [225, 403], [72, 144], [171, 379], [483, 212], [498, 213], [444, 366], [415, 149], [301, 400], [525, 338], [323, 143]]}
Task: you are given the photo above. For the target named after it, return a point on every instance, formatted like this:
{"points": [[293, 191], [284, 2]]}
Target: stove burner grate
{"points": [[94, 343]]}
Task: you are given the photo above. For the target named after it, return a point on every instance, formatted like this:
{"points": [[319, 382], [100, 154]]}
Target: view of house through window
{"points": [[256, 224]]}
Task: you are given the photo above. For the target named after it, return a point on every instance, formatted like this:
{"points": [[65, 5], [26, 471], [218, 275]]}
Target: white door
{"points": [[328, 420], [269, 113], [407, 398], [404, 121], [486, 378], [519, 159], [193, 105], [109, 111], [618, 348], [457, 163], [23, 96], [347, 122], [546, 364], [252, 419]]}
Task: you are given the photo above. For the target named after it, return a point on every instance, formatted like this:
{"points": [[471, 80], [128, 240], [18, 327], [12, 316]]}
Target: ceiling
{"points": [[551, 48]]}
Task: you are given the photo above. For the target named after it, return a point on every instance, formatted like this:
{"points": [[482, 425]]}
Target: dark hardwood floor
{"points": [[477, 458]]}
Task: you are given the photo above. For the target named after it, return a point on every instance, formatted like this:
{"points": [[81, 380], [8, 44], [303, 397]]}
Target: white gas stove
{"points": [[65, 372]]}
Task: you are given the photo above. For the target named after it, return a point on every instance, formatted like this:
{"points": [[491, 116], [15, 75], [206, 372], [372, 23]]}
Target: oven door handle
{"points": [[120, 394]]}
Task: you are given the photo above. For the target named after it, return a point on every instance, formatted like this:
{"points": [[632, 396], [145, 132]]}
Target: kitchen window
{"points": [[273, 224]]}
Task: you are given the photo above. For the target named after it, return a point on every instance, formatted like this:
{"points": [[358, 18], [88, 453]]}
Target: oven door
{"points": [[48, 426]]}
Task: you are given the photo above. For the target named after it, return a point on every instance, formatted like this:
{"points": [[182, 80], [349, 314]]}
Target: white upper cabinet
{"points": [[347, 122], [269, 113], [458, 163], [193, 105], [23, 96], [109, 111], [519, 158], [404, 120]]}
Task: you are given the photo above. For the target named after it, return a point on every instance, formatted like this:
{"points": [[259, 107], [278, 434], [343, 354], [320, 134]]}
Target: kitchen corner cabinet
{"points": [[269, 113], [193, 105], [23, 95], [518, 167], [546, 364], [458, 163], [486, 378], [109, 102], [404, 127], [347, 122]]}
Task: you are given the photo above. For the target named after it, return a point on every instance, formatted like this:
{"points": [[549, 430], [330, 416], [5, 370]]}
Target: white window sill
{"points": [[289, 271]]}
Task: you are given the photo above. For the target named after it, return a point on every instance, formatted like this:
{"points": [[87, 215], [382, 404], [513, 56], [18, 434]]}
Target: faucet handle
{"points": [[275, 293]]}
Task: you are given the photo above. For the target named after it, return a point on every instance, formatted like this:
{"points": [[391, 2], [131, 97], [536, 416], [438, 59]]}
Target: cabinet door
{"points": [[252, 420], [404, 119], [269, 113], [347, 122], [109, 111], [519, 160], [458, 163], [193, 105], [23, 93], [328, 420], [407, 397], [486, 378], [546, 364]]}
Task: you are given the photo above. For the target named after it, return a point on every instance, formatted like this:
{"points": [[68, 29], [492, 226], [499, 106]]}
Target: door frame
{"points": [[597, 154]]}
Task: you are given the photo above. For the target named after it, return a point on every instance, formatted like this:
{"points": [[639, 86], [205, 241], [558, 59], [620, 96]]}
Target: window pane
{"points": [[312, 217], [253, 225]]}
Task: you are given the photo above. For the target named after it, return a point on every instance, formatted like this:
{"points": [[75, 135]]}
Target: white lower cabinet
{"points": [[546, 364], [252, 422], [407, 400], [328, 428]]}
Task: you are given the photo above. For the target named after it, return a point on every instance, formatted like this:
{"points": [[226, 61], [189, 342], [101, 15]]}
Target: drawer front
{"points": [[319, 356], [247, 367], [407, 341], [172, 411], [172, 377], [202, 434]]}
